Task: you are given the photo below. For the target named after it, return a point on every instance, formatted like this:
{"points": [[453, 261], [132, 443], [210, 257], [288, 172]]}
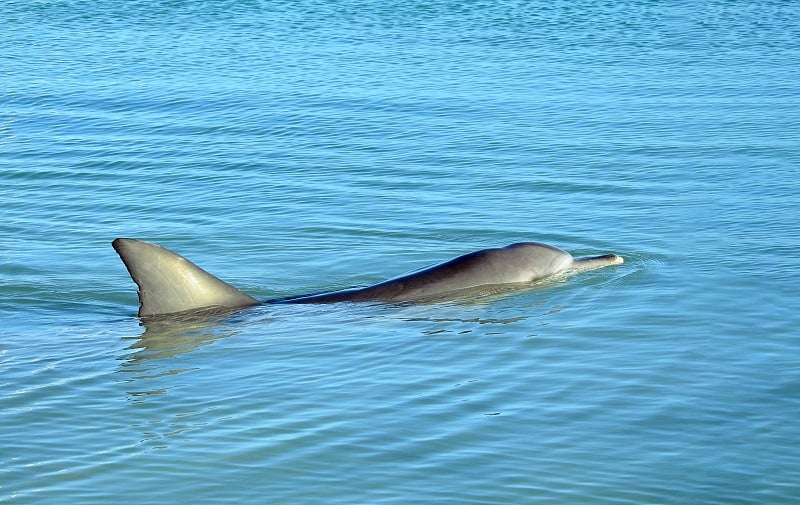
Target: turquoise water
{"points": [[296, 147]]}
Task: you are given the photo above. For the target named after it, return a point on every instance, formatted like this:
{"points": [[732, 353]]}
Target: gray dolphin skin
{"points": [[169, 283]]}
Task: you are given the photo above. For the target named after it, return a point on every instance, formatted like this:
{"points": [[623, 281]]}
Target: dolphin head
{"points": [[529, 261]]}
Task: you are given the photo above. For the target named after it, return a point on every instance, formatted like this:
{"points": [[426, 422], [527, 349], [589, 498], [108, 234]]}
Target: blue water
{"points": [[296, 147]]}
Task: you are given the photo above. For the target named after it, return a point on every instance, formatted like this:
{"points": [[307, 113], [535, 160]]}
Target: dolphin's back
{"points": [[517, 263]]}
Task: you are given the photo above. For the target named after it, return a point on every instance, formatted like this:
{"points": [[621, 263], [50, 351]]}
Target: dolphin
{"points": [[170, 284]]}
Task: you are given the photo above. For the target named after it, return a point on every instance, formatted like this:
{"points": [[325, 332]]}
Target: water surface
{"points": [[295, 147]]}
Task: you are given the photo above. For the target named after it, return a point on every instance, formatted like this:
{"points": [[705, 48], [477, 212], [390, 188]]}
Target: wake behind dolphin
{"points": [[169, 283]]}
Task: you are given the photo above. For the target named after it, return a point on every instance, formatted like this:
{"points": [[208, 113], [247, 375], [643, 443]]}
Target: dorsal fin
{"points": [[170, 283]]}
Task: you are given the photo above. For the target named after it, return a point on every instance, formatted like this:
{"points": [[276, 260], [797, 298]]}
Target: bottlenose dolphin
{"points": [[169, 283]]}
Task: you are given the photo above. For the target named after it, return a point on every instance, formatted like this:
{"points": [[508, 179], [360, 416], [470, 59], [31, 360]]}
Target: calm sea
{"points": [[301, 146]]}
